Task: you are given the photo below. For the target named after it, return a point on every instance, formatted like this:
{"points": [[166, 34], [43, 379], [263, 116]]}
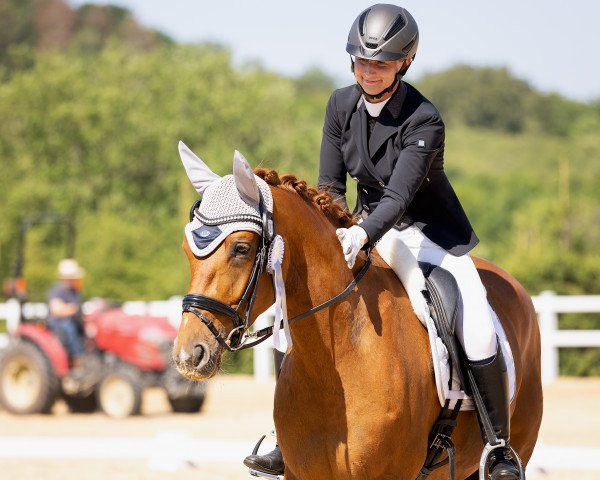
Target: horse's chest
{"points": [[336, 434]]}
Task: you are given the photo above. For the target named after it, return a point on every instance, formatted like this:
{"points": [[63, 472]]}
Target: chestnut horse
{"points": [[356, 396]]}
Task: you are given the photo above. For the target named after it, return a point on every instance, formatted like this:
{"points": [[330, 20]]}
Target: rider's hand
{"points": [[352, 240]]}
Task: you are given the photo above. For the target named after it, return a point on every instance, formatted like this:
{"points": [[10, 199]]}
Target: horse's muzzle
{"points": [[198, 361]]}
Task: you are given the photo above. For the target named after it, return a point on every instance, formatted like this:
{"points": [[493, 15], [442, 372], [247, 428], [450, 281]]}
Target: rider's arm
{"points": [[420, 145], [60, 309]]}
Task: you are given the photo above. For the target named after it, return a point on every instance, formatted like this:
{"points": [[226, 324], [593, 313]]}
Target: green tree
{"points": [[94, 137]]}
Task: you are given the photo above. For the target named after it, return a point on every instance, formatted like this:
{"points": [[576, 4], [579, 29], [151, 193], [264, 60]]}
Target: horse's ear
{"points": [[197, 171], [244, 180]]}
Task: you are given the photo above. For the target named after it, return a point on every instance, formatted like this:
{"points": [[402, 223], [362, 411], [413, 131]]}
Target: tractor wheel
{"points": [[28, 383], [81, 404], [190, 400], [189, 404], [120, 392], [184, 395]]}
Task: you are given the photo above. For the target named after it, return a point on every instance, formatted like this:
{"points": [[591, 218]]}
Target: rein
{"points": [[265, 333], [238, 338]]}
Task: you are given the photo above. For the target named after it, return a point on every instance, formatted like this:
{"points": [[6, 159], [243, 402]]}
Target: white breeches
{"points": [[476, 331]]}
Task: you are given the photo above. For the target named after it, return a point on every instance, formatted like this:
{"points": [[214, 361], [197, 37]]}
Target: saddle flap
{"points": [[445, 303], [444, 294]]}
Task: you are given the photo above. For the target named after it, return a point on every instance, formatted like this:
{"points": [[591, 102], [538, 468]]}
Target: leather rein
{"points": [[239, 338]]}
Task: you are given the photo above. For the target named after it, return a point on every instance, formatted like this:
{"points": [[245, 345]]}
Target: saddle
{"points": [[445, 305], [449, 360], [454, 391]]}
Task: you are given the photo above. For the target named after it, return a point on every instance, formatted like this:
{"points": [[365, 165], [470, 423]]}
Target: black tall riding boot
{"points": [[491, 379], [272, 462]]}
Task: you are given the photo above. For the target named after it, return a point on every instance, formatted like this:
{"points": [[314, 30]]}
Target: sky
{"points": [[551, 44]]}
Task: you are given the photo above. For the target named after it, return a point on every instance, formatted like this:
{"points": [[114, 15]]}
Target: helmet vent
{"points": [[361, 22], [409, 47], [371, 45], [398, 25]]}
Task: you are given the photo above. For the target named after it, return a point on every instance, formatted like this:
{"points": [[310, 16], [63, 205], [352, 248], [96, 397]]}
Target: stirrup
{"points": [[485, 456], [256, 473]]}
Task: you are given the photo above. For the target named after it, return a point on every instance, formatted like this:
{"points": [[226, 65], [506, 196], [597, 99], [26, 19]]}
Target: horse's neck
{"points": [[365, 353], [365, 324], [357, 328]]}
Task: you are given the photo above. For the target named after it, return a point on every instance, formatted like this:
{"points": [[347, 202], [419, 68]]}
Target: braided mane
{"points": [[323, 201]]}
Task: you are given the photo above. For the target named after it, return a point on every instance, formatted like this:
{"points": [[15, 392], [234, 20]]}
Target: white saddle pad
{"points": [[398, 256], [451, 388]]}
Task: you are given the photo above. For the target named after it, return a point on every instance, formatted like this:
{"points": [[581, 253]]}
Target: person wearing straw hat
{"points": [[64, 308]]}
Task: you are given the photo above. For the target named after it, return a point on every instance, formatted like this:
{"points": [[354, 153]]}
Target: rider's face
{"points": [[374, 76]]}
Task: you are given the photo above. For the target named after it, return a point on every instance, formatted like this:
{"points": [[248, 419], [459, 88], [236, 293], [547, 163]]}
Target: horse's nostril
{"points": [[199, 353]]}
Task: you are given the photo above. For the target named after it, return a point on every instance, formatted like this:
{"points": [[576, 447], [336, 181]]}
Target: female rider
{"points": [[390, 139]]}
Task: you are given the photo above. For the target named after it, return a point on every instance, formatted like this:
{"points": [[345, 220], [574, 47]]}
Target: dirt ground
{"points": [[237, 412]]}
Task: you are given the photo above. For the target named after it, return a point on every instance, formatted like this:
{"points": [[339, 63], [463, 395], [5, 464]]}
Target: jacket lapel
{"points": [[386, 125], [358, 123]]}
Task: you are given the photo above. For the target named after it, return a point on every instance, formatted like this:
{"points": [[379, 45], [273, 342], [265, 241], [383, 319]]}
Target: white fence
{"points": [[548, 306]]}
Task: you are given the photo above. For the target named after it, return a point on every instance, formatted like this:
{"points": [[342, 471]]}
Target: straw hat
{"points": [[69, 269]]}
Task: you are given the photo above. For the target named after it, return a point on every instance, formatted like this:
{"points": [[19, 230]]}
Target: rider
{"points": [[390, 140], [64, 308]]}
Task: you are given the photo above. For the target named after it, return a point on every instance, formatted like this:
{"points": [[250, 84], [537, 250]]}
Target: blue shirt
{"points": [[67, 295]]}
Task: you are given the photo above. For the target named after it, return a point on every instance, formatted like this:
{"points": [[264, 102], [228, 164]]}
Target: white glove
{"points": [[352, 240]]}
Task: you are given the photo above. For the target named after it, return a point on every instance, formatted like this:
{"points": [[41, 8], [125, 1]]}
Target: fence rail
{"points": [[548, 306]]}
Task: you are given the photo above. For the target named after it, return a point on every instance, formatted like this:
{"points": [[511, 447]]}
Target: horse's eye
{"points": [[241, 249]]}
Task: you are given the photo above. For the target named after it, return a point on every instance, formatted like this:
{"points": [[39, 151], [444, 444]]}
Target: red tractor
{"points": [[128, 353], [124, 354]]}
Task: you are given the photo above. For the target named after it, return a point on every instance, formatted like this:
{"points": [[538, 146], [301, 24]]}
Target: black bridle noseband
{"points": [[239, 338]]}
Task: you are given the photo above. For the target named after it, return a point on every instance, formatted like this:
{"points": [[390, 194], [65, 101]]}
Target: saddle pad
{"points": [[452, 390]]}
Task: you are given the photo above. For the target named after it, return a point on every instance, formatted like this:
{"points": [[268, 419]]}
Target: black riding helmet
{"points": [[384, 32]]}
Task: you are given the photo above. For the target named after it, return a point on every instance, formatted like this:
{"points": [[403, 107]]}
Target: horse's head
{"points": [[226, 243]]}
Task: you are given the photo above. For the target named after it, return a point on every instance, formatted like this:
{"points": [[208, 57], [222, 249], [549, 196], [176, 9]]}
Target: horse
{"points": [[355, 397]]}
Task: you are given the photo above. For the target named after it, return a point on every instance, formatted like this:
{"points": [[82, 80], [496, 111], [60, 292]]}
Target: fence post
{"points": [[548, 318], [263, 352], [13, 315]]}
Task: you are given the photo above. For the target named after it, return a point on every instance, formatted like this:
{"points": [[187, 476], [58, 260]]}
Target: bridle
{"points": [[239, 338]]}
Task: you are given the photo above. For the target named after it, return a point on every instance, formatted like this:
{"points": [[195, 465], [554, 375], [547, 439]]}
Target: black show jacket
{"points": [[399, 168]]}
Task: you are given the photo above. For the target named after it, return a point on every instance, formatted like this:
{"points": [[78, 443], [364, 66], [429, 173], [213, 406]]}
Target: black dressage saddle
{"points": [[445, 304]]}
